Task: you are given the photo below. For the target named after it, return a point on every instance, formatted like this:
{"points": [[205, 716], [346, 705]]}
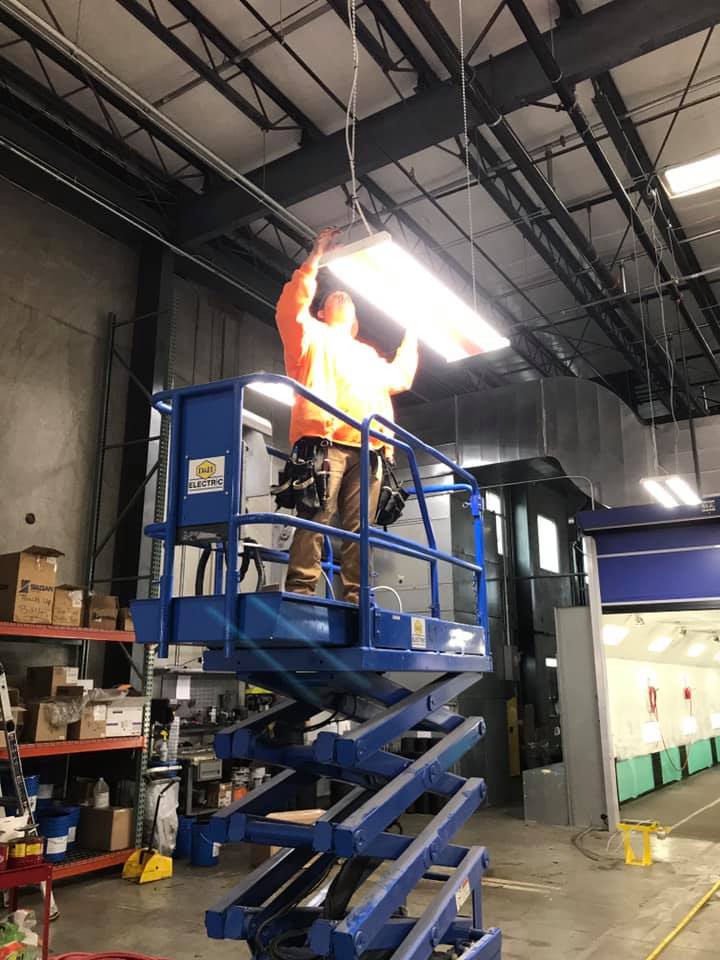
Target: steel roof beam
{"points": [[631, 328], [628, 29]]}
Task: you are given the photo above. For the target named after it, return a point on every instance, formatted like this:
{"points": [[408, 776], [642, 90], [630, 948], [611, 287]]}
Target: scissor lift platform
{"points": [[338, 887]]}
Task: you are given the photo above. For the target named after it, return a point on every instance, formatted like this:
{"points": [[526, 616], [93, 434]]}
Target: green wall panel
{"points": [[670, 765], [699, 756], [634, 777]]}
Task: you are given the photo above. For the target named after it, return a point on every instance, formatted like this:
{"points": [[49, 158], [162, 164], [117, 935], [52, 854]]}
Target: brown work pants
{"points": [[344, 500]]}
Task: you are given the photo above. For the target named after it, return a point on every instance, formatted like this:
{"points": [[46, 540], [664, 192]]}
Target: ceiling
{"points": [[260, 88], [697, 631]]}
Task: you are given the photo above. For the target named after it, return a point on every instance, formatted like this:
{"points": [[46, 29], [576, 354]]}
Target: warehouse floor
{"points": [[678, 800], [551, 902]]}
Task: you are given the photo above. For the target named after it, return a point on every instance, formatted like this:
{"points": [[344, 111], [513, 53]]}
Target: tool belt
{"points": [[304, 482], [302, 486]]}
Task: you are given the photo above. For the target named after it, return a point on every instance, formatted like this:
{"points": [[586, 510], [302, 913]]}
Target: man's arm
{"points": [[401, 372], [292, 313]]}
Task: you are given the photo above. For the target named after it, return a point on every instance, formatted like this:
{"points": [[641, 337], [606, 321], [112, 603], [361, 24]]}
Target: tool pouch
{"points": [[392, 498], [297, 487]]}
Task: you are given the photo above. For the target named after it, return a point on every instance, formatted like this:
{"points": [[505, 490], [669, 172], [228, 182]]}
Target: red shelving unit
{"points": [[62, 748], [51, 632], [78, 862], [87, 861]]}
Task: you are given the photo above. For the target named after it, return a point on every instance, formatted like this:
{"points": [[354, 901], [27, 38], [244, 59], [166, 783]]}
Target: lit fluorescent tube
{"points": [[695, 177], [683, 490], [399, 285], [276, 391], [695, 649], [657, 490]]}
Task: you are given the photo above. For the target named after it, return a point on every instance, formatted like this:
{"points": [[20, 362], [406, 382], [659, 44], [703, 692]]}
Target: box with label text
{"points": [[124, 719], [68, 606], [27, 584]]}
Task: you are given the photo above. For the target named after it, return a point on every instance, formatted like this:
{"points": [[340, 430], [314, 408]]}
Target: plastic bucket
{"points": [[55, 827], [204, 851], [183, 841]]}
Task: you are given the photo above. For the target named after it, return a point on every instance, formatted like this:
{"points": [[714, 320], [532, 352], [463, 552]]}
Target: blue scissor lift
{"points": [[319, 654]]}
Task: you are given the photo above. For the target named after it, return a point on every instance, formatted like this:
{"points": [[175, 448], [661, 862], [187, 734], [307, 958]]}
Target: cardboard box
{"points": [[92, 724], [68, 606], [219, 795], [102, 612], [38, 727], [27, 584], [259, 852], [125, 620], [124, 718], [78, 688], [43, 682], [106, 828]]}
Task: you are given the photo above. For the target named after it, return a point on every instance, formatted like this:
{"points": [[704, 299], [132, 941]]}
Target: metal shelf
{"points": [[43, 631], [88, 861], [65, 747]]}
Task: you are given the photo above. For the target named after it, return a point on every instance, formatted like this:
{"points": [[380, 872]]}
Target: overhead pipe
{"points": [[445, 48], [95, 69], [581, 123]]}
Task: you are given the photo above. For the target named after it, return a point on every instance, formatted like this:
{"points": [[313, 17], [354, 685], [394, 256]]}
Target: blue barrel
{"points": [[45, 793], [55, 828], [32, 784], [183, 842], [73, 813], [204, 851]]}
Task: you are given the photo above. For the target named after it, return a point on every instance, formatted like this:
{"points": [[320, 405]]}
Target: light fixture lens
{"points": [[683, 490], [659, 644], [695, 649], [658, 491], [551, 661], [688, 725], [717, 657], [651, 732], [276, 391], [399, 285], [613, 634], [696, 177]]}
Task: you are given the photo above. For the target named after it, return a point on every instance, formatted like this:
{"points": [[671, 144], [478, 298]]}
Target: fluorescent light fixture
{"points": [[671, 491], [688, 725], [683, 490], [659, 644], [717, 657], [651, 732], [551, 661], [276, 391], [715, 721], [696, 177], [695, 649], [614, 634], [399, 285], [657, 490]]}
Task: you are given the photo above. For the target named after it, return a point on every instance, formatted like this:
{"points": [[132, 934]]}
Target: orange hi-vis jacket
{"points": [[346, 373]]}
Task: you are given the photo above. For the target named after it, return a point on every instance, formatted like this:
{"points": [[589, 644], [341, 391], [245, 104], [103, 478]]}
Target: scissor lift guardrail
{"points": [[321, 655]]}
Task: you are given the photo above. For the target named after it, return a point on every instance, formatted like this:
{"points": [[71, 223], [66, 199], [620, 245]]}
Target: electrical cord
{"points": [[394, 592], [351, 120]]}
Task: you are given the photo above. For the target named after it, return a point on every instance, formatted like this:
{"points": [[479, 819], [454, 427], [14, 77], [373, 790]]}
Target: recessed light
{"points": [[614, 634], [659, 644]]}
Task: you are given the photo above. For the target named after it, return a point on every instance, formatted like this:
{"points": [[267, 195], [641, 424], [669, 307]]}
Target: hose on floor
{"points": [[684, 922]]}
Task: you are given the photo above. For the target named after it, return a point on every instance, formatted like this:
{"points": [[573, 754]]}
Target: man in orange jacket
{"points": [[322, 354]]}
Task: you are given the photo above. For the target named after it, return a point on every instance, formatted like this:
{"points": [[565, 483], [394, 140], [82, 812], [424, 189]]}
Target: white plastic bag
{"points": [[167, 822]]}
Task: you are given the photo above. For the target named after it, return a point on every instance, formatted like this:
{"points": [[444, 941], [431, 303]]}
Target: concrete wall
{"points": [[59, 280]]}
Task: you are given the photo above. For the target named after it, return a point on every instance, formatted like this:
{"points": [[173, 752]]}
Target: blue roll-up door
{"points": [[650, 556]]}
